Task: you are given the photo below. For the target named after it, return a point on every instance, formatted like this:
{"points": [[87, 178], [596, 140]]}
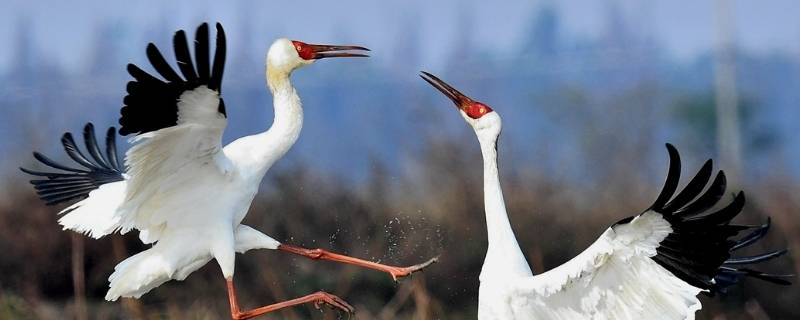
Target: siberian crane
{"points": [[179, 187], [649, 266]]}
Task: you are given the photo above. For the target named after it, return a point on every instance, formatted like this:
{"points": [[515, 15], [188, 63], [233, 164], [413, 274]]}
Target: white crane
{"points": [[182, 190], [649, 266]]}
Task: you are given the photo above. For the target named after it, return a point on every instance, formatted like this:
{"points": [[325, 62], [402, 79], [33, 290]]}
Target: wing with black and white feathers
{"points": [[653, 265], [178, 124], [98, 185], [699, 248], [152, 103]]}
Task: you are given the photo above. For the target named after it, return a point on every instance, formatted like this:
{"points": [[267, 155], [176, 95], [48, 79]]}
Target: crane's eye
{"points": [[303, 50], [477, 110]]}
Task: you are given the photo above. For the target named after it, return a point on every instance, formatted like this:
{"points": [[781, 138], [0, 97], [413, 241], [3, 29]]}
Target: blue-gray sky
{"points": [[684, 28], [360, 110]]}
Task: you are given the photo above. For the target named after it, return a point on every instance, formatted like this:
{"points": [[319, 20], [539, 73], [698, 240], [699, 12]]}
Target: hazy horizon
{"points": [[63, 30]]}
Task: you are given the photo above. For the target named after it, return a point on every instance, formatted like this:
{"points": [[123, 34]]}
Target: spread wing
{"points": [[98, 185], [653, 265], [178, 124]]}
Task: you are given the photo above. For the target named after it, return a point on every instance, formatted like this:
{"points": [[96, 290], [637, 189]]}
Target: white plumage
{"points": [[95, 216], [650, 266], [184, 192], [612, 279]]}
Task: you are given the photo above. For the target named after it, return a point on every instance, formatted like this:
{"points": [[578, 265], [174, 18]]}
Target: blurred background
{"points": [[385, 169]]}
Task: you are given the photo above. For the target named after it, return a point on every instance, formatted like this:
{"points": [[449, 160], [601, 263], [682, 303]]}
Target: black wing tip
{"points": [[218, 66], [132, 68], [691, 190], [65, 184], [731, 276], [692, 200], [699, 249], [66, 138], [723, 178], [151, 103], [756, 259], [671, 182], [151, 47], [124, 131], [739, 197], [671, 148]]}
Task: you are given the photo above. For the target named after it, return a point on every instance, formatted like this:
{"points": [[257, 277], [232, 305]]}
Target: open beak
{"points": [[322, 51], [460, 100]]}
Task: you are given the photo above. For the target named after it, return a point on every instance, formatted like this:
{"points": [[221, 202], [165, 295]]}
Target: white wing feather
{"points": [[161, 164], [96, 215], [164, 164], [614, 278]]}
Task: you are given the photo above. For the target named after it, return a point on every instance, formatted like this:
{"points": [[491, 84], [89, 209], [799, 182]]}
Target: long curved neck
{"points": [[288, 110], [504, 258], [271, 145]]}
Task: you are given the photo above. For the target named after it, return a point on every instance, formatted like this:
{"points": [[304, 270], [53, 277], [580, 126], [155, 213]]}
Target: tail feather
{"points": [[148, 269], [138, 274]]}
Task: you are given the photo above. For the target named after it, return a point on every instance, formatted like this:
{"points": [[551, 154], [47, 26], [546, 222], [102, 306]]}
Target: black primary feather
{"points": [[75, 184], [699, 249], [183, 57], [152, 103], [219, 61]]}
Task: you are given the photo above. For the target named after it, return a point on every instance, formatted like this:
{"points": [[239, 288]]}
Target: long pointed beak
{"points": [[322, 51], [458, 98]]}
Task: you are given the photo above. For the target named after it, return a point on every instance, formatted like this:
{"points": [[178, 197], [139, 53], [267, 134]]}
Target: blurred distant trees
{"points": [[386, 170]]}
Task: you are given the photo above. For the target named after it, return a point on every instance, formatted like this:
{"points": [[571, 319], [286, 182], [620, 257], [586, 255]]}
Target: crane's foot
{"points": [[400, 272], [333, 301], [318, 298], [320, 254]]}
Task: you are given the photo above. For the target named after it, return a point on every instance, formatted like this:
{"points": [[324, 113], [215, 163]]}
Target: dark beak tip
{"points": [[454, 95]]}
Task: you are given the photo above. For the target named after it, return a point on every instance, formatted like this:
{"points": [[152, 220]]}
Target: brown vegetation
{"points": [[430, 206]]}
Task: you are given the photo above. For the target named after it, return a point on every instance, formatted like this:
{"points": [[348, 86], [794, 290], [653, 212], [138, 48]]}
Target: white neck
{"points": [[265, 148], [504, 258]]}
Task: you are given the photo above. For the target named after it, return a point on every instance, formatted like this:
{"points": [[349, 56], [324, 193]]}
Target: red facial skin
{"points": [[303, 50], [476, 110]]}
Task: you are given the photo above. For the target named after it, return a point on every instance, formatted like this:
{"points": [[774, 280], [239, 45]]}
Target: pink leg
{"points": [[320, 254], [318, 298]]}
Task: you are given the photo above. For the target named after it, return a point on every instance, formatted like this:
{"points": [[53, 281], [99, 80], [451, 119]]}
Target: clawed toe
{"points": [[335, 302], [403, 272]]}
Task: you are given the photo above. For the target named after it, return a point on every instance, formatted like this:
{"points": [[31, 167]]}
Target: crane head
{"points": [[319, 51], [287, 55], [469, 107], [481, 117]]}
